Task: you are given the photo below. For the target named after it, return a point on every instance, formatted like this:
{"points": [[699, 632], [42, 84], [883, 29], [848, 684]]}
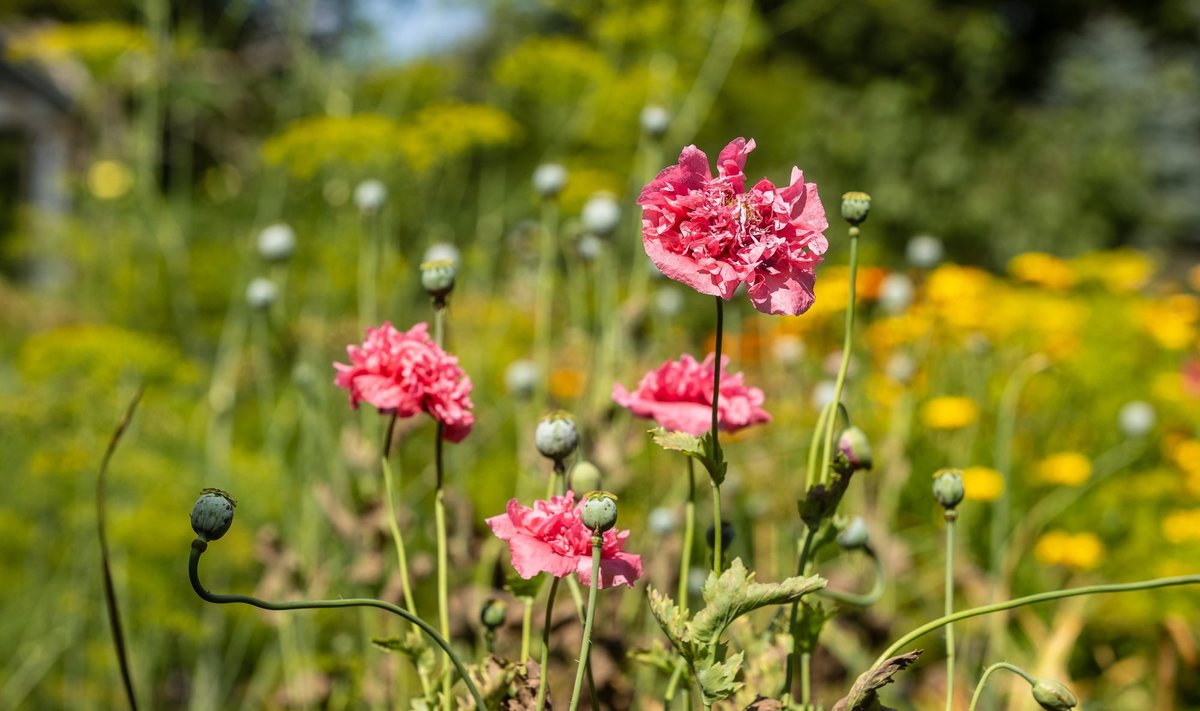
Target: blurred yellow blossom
{"points": [[566, 383], [1182, 526], [1121, 271], [949, 413], [109, 179], [554, 69], [1043, 269], [1078, 551], [95, 43], [962, 297], [1172, 320], [1064, 468], [982, 484]]}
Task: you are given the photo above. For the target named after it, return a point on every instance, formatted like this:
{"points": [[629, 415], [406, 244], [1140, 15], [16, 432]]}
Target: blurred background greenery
{"points": [[1046, 156]]}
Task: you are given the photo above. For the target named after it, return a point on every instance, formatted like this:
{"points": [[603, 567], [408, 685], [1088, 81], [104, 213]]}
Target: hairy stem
{"points": [[586, 647], [847, 344]]}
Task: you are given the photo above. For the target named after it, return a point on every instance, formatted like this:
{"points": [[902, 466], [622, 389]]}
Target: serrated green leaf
{"points": [[719, 681], [656, 656], [809, 624], [673, 622], [388, 644], [678, 442], [734, 593]]}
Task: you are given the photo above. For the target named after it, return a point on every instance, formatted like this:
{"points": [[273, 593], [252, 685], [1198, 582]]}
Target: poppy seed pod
{"points": [[549, 179], [437, 277], [599, 511], [584, 476], [493, 612], [212, 514], [855, 535], [1054, 695], [556, 436], [948, 488], [853, 451], [855, 207]]}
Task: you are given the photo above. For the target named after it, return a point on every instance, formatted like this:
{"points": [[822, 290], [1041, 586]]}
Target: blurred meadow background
{"points": [[1028, 312]]}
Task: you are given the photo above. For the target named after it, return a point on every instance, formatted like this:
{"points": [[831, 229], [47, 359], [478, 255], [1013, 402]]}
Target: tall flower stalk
{"points": [[716, 443]]}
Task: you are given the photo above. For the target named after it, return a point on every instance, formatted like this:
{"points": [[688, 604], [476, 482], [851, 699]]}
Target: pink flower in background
{"points": [[712, 235], [406, 373], [678, 396], [551, 538]]}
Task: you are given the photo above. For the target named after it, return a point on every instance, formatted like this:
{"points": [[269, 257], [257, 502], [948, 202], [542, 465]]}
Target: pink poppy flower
{"points": [[712, 234], [407, 373], [678, 396], [551, 538]]}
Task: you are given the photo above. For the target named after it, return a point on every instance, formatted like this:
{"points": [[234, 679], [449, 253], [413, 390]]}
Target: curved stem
{"points": [[988, 672], [543, 672], [950, 517], [586, 648], [794, 618], [1030, 600], [198, 548], [866, 599], [847, 344]]}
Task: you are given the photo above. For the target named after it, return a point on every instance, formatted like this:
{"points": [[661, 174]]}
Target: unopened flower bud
{"points": [[213, 514], [948, 487], [1053, 695], [276, 242], [853, 451], [855, 207], [439, 251], [855, 535], [261, 293], [655, 121], [369, 195], [493, 612], [1136, 418], [727, 535], [437, 277], [601, 214], [599, 511], [549, 179], [584, 476], [556, 436]]}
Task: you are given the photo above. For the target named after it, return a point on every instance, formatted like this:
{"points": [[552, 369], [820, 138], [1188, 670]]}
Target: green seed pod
{"points": [[437, 277], [556, 436], [853, 451], [855, 207], [493, 612], [948, 487], [1054, 695], [213, 514], [584, 476], [599, 512]]}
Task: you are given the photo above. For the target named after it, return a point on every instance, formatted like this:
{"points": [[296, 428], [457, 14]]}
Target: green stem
{"points": [[1030, 600], [689, 530], [542, 314], [397, 538], [847, 344], [585, 649], [794, 618], [716, 443], [718, 554], [814, 447], [867, 599], [198, 548], [988, 672], [951, 515], [443, 563], [526, 628], [543, 671]]}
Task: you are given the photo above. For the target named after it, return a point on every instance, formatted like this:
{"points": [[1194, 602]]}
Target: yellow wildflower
{"points": [[1172, 321], [95, 43], [1043, 269], [949, 413], [1121, 271], [961, 296], [982, 484], [109, 179], [566, 383], [1182, 526], [1077, 551], [1064, 468]]}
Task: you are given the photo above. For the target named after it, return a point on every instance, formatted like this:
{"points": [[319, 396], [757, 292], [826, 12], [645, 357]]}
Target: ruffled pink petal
{"points": [[783, 290], [531, 556], [689, 417], [621, 569], [502, 525], [686, 270]]}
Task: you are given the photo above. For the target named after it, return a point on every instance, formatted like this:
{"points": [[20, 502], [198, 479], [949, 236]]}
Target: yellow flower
{"points": [[566, 383], [1182, 526], [1064, 468], [109, 179], [1078, 551], [961, 296], [1121, 271], [982, 483], [1172, 321], [1043, 270], [949, 413]]}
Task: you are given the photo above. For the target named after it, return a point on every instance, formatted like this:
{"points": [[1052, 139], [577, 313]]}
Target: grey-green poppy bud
{"points": [[855, 535], [948, 487], [599, 512], [855, 207], [1053, 695], [853, 451], [437, 276], [213, 514], [549, 179], [584, 476], [493, 613], [556, 436], [655, 121]]}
